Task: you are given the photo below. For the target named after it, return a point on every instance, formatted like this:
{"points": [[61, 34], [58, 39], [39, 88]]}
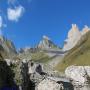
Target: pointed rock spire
{"points": [[46, 43], [85, 30], [74, 36]]}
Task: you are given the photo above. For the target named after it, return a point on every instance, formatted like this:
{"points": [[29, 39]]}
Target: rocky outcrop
{"points": [[28, 75], [36, 72], [7, 48], [6, 75], [85, 30], [74, 35], [46, 43], [21, 75], [24, 50], [80, 76], [48, 84]]}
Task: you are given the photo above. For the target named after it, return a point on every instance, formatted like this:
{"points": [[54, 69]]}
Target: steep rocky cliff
{"points": [[79, 55], [7, 48], [74, 35]]}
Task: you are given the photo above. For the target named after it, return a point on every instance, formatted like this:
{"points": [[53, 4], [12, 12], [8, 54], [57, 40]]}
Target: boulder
{"points": [[79, 74], [48, 84]]}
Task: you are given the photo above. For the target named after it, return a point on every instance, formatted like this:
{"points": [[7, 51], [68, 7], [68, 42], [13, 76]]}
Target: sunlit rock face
{"points": [[74, 36], [87, 68], [79, 74], [46, 43], [48, 84], [34, 68], [85, 30], [9, 62]]}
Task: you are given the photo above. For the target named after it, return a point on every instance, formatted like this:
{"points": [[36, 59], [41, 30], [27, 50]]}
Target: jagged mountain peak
{"points": [[73, 31], [74, 27], [46, 43], [85, 30], [46, 37], [74, 35]]}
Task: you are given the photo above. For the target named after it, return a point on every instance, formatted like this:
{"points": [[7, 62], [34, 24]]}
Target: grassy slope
{"points": [[79, 55], [40, 57], [36, 56]]}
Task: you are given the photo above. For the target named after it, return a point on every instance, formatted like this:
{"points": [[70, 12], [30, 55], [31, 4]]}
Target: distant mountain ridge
{"points": [[46, 50]]}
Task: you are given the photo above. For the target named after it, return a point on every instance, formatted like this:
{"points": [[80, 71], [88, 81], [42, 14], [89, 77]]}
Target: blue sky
{"points": [[45, 17]]}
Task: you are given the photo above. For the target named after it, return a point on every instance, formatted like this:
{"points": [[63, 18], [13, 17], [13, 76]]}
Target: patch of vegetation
{"points": [[40, 57]]}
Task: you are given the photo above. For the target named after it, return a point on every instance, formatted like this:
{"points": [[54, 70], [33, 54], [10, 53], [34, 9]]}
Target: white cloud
{"points": [[16, 13]]}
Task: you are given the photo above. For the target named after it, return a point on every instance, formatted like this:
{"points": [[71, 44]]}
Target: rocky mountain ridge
{"points": [[79, 55], [74, 35], [46, 43], [7, 47]]}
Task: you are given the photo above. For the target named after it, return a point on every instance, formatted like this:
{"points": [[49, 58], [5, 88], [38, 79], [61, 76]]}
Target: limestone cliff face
{"points": [[85, 30], [46, 43], [74, 35]]}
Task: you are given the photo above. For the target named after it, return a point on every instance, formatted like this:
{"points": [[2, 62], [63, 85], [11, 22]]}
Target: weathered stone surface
{"points": [[46, 43], [48, 84], [74, 36], [22, 77], [79, 74], [85, 30], [87, 68]]}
